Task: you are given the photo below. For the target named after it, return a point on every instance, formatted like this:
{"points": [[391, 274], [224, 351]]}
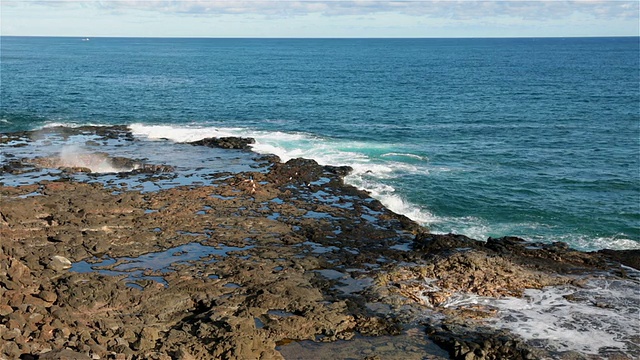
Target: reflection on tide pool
{"points": [[138, 268]]}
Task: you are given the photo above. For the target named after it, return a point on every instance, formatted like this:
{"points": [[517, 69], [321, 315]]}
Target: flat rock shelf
{"points": [[110, 252]]}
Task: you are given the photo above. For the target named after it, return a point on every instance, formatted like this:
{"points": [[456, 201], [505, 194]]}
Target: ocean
{"points": [[533, 137]]}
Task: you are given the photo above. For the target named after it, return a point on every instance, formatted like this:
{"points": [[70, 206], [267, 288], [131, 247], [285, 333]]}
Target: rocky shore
{"points": [[285, 261]]}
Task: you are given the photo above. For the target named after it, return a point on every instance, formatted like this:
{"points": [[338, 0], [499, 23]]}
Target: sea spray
{"points": [[77, 156]]}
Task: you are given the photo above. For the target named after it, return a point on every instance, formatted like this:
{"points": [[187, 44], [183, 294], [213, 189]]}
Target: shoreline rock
{"points": [[237, 268], [238, 143]]}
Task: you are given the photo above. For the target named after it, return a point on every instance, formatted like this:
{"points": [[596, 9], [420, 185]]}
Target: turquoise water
{"points": [[538, 138]]}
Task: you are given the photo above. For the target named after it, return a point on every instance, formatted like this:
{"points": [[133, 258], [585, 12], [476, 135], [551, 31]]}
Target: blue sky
{"points": [[284, 18]]}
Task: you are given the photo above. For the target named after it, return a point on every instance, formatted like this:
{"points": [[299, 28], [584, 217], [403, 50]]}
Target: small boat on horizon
{"points": [[85, 39]]}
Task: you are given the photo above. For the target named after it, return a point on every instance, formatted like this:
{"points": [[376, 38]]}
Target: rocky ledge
{"points": [[226, 143], [254, 264]]}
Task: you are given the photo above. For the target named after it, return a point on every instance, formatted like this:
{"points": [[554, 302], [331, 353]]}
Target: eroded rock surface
{"points": [[252, 261]]}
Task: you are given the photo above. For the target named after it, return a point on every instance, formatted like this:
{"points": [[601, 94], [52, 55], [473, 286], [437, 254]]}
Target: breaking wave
{"points": [[380, 169]]}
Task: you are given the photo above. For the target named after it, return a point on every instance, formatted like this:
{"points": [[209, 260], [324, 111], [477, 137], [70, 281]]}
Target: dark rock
{"points": [[629, 258], [149, 168], [465, 343], [297, 171], [433, 243], [341, 171], [238, 143], [557, 258], [75, 169], [295, 229]]}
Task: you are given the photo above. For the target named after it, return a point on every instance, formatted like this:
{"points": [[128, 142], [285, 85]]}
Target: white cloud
{"points": [[332, 18], [460, 9]]}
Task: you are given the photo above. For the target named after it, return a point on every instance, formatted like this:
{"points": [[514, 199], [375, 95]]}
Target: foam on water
{"points": [[177, 134], [376, 167], [191, 165], [411, 156], [368, 173], [599, 318], [618, 242], [390, 199], [481, 229], [604, 316], [67, 124]]}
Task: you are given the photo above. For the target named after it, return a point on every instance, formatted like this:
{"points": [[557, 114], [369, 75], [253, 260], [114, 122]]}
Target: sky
{"points": [[333, 18]]}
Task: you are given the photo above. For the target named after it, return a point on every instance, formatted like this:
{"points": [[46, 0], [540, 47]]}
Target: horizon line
{"points": [[320, 38]]}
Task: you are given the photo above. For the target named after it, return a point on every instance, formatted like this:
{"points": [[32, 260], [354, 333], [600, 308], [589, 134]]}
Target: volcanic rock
{"points": [[239, 143]]}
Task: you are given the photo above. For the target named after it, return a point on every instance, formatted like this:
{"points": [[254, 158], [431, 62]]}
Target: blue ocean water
{"points": [[538, 138]]}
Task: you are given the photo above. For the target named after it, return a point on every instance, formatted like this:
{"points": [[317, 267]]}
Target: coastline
{"points": [[246, 263]]}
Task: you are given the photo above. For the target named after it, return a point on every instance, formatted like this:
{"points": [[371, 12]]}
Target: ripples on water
{"points": [[486, 137]]}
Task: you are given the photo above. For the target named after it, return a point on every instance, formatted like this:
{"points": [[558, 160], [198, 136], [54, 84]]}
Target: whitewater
{"points": [[368, 174], [536, 138]]}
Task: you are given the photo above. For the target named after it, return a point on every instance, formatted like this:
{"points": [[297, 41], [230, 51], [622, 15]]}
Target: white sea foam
{"points": [[604, 316], [177, 134], [373, 174], [587, 243], [367, 173], [67, 124], [412, 156], [481, 229], [601, 317]]}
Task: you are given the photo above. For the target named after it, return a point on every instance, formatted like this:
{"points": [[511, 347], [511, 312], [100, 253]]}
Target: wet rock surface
{"points": [[226, 142], [253, 265]]}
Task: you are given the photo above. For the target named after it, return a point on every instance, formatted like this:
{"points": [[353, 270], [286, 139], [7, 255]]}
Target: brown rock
{"points": [[11, 349], [46, 333], [147, 339], [5, 310], [11, 285], [11, 334], [238, 304], [19, 272], [64, 354], [14, 298], [183, 354], [16, 321], [36, 302], [48, 296]]}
